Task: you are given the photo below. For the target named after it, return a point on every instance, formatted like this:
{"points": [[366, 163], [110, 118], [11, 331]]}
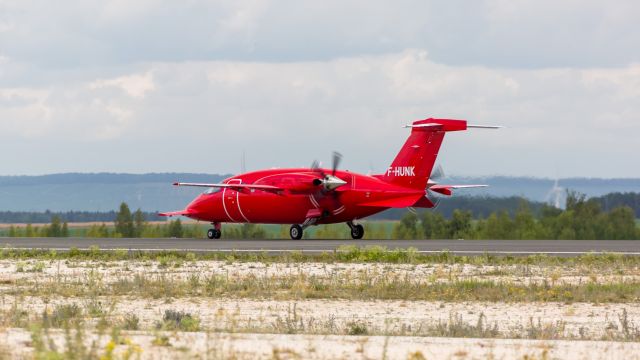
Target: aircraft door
{"points": [[231, 203]]}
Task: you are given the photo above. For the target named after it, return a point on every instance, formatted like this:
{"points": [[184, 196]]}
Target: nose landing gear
{"points": [[216, 232], [357, 230]]}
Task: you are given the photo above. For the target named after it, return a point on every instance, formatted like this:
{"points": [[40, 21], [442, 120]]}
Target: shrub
{"points": [[178, 320]]}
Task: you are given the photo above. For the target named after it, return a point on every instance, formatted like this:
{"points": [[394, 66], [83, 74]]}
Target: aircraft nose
{"points": [[197, 205]]}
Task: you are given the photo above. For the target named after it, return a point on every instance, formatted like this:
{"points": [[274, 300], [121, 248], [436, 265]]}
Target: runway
{"points": [[459, 247]]}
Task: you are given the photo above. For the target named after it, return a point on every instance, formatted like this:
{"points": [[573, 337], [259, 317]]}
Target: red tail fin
{"points": [[414, 163]]}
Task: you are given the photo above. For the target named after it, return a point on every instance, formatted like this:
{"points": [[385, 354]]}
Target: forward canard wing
{"points": [[176, 213]]}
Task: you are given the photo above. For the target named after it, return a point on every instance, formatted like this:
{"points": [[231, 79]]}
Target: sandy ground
{"points": [[17, 343], [576, 320], [422, 273], [257, 328]]}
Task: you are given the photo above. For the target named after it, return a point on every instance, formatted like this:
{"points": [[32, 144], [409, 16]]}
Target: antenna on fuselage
{"points": [[243, 163]]}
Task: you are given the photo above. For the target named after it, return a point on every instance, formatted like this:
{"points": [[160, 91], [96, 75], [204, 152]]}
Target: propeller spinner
{"points": [[329, 182]]}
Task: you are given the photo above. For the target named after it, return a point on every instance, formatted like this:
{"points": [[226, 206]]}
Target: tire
{"points": [[295, 232], [357, 232], [214, 234]]}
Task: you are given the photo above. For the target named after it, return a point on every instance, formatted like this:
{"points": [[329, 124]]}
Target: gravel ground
{"points": [[421, 273], [15, 343]]}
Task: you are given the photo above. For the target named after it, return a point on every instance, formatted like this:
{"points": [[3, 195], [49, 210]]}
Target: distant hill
{"points": [[537, 189], [98, 192], [153, 192]]}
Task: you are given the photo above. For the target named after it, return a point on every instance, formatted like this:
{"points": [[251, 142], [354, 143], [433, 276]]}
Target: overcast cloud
{"points": [[159, 86]]}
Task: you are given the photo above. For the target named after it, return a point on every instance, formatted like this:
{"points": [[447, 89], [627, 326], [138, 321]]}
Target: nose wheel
{"points": [[296, 232], [214, 234], [357, 230]]}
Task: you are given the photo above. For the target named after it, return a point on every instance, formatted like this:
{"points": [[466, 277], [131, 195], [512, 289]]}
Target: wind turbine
{"points": [[556, 195]]}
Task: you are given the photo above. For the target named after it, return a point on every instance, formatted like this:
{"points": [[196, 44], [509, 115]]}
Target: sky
{"points": [[189, 86]]}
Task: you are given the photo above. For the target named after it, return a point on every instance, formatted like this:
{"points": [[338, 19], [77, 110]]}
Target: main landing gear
{"points": [[216, 232], [296, 231]]}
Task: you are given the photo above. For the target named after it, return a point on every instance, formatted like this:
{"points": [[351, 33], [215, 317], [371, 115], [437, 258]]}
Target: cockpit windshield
{"points": [[212, 191]]}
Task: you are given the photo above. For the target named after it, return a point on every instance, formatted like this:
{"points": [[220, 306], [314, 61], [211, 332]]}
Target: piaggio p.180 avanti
{"points": [[311, 196]]}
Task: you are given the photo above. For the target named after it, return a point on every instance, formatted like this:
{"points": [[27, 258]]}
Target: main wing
{"points": [[233, 186]]}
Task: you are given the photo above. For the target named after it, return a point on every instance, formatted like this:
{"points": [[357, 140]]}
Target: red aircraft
{"points": [[312, 196]]}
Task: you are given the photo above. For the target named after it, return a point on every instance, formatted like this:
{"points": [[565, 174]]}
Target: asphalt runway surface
{"points": [[460, 247]]}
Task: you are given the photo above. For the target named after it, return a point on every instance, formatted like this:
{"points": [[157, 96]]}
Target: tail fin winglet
{"points": [[414, 163]]}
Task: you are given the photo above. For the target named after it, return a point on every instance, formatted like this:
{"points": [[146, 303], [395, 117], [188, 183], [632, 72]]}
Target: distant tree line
{"points": [[482, 207], [57, 228], [135, 225], [614, 200], [583, 219], [28, 217], [127, 224]]}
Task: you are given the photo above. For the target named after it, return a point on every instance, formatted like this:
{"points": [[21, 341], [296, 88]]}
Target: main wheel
{"points": [[295, 232], [214, 234], [357, 231]]}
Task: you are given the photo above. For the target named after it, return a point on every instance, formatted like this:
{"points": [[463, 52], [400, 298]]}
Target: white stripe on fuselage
{"points": [[224, 204], [238, 201]]}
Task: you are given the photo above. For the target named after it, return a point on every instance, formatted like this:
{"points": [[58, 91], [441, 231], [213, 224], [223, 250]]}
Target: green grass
{"points": [[347, 254]]}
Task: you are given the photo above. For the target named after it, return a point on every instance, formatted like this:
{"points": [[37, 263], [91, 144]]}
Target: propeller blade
{"points": [[315, 165], [437, 173], [337, 157], [433, 198]]}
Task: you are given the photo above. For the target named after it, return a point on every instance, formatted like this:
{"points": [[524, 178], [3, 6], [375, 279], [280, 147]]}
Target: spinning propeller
{"points": [[329, 181], [436, 174]]}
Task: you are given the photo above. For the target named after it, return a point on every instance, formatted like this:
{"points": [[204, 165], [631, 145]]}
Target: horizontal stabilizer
{"points": [[432, 124], [399, 202], [447, 189]]}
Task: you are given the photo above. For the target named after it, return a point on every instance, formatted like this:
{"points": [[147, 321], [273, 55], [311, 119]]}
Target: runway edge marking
{"points": [[333, 250]]}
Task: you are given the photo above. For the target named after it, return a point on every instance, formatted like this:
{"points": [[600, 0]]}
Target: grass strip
{"points": [[344, 254], [301, 286]]}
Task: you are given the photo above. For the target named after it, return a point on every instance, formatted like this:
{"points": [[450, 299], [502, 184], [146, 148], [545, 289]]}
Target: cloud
{"points": [[200, 116], [59, 114], [490, 33], [158, 86], [134, 85]]}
